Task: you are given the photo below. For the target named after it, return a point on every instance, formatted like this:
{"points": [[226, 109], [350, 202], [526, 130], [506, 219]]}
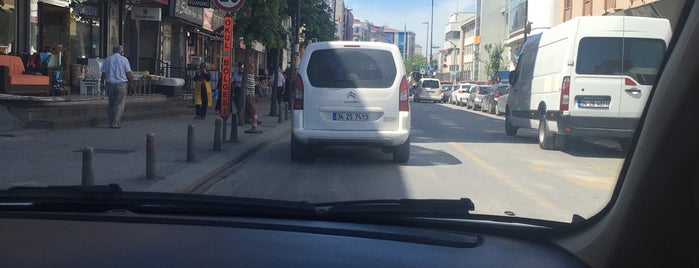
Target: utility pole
{"points": [[431, 31], [427, 40]]}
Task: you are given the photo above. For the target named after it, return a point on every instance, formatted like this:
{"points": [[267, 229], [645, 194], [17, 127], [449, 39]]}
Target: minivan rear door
{"points": [[352, 88]]}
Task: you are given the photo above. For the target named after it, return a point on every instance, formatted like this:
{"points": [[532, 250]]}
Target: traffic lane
{"points": [[543, 177]]}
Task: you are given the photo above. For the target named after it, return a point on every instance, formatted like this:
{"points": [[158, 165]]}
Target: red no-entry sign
{"points": [[229, 5]]}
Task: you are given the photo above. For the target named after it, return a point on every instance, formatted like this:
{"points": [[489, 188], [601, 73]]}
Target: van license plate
{"points": [[350, 117], [604, 104]]}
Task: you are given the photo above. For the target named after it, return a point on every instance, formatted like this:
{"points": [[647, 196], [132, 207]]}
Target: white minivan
{"points": [[587, 77], [351, 93]]}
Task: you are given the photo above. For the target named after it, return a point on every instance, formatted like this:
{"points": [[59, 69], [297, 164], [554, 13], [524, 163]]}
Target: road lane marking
{"points": [[589, 181], [539, 199]]}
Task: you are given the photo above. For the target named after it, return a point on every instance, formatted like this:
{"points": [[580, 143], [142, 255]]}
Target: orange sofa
{"points": [[14, 81]]}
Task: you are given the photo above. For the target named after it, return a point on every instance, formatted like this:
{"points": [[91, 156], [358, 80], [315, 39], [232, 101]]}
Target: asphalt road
{"points": [[455, 153]]}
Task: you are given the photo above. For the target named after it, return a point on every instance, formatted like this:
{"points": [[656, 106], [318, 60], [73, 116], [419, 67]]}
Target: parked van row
{"points": [[587, 77]]}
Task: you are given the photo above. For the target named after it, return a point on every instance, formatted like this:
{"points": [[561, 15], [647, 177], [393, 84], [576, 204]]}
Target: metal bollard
{"points": [[281, 114], [150, 156], [234, 128], [190, 143], [88, 174], [217, 134], [286, 111]]}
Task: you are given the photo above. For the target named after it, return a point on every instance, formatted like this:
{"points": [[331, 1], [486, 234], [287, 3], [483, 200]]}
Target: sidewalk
{"points": [[39, 157]]}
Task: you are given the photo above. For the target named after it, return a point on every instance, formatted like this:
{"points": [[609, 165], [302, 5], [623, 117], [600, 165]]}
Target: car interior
{"points": [[652, 219]]}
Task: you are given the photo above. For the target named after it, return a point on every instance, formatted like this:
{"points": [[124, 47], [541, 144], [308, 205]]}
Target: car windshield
{"points": [[333, 101]]}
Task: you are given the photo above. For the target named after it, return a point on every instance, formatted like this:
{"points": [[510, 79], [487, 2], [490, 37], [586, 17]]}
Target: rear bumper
{"points": [[584, 126], [376, 138]]}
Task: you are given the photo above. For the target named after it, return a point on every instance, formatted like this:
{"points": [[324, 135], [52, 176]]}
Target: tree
{"points": [[413, 63], [316, 21], [261, 21], [494, 61]]}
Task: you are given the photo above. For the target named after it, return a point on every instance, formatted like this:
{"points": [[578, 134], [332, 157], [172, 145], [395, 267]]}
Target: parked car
{"points": [[587, 77], [490, 101], [476, 96], [460, 94], [502, 101], [351, 93], [428, 89], [448, 89]]}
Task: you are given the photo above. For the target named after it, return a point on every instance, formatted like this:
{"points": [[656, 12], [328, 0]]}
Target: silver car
{"points": [[476, 96], [351, 93]]}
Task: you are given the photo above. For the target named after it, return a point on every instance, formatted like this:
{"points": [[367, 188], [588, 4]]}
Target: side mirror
{"points": [[513, 77]]}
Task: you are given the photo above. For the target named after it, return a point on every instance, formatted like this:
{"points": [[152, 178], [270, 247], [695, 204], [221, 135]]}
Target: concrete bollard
{"points": [[88, 177], [190, 143], [150, 156], [217, 134], [286, 111], [224, 129], [281, 113], [234, 129]]}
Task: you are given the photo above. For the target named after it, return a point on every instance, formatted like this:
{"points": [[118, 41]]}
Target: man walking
{"points": [[280, 84], [116, 74]]}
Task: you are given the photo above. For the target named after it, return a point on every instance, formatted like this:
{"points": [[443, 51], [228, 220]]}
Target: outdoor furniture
{"points": [[14, 79]]}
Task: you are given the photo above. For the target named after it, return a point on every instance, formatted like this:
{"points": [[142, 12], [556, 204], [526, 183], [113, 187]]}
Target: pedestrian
{"points": [[250, 85], [116, 75], [237, 81], [202, 92], [280, 84]]}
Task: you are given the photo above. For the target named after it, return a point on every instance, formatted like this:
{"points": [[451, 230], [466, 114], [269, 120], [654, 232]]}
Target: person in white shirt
{"points": [[280, 84], [116, 75]]}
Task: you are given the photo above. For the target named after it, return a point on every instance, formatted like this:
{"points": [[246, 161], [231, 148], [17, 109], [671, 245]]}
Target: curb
{"points": [[190, 178]]}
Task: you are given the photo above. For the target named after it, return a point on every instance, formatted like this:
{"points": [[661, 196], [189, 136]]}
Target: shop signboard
{"points": [[146, 13], [226, 66], [199, 3]]}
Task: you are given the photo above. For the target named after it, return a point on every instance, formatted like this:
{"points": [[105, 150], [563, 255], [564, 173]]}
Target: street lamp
{"points": [[427, 39]]}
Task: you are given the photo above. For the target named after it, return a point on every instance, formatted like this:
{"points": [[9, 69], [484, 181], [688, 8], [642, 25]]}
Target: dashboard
{"points": [[124, 239]]}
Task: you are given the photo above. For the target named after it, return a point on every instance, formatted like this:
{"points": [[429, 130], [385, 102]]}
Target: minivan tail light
{"points": [[629, 82], [298, 93], [403, 103], [565, 93]]}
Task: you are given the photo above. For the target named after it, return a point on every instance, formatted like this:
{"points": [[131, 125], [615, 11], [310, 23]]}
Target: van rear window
{"points": [[639, 58], [351, 68]]}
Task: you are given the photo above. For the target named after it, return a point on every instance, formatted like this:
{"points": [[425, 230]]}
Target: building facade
{"points": [[451, 57]]}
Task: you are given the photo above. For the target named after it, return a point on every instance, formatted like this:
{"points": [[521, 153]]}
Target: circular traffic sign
{"points": [[229, 5]]}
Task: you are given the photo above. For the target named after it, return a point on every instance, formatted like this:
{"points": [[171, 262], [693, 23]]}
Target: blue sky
{"points": [[412, 13]]}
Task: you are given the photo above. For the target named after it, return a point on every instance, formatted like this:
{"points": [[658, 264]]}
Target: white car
{"points": [[351, 93], [460, 94]]}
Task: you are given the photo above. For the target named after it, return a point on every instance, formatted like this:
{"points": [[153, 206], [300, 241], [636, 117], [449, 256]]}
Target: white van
{"points": [[351, 93], [587, 77]]}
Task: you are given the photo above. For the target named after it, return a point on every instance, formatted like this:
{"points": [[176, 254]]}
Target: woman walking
{"points": [[202, 92]]}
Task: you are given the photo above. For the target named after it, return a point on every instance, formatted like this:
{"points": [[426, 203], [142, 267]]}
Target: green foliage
{"points": [[316, 20], [494, 61], [261, 20], [413, 63]]}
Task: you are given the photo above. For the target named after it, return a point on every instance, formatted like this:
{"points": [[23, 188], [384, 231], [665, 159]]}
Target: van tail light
{"points": [[298, 93], [629, 82], [441, 91], [565, 93], [496, 96], [403, 104]]}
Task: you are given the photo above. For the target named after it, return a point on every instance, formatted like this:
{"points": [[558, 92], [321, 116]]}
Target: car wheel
{"points": [[510, 130], [547, 139], [401, 153], [300, 151]]}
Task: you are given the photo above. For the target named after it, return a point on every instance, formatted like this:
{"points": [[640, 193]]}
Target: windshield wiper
{"points": [[104, 198], [439, 208]]}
